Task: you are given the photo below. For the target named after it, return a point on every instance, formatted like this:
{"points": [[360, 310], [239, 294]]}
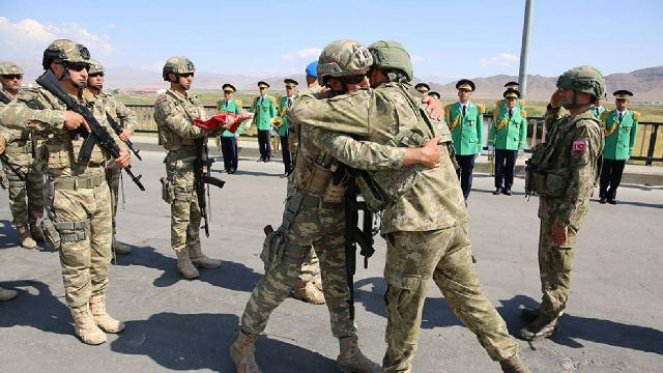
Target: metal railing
{"points": [[648, 146]]}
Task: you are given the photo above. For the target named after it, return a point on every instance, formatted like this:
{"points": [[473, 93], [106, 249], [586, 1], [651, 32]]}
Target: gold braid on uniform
{"points": [[612, 130], [454, 123], [499, 126]]}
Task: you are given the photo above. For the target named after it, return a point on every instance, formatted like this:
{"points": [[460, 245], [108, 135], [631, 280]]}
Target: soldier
{"points": [[174, 113], [81, 199], [284, 106], [26, 198], [621, 129], [422, 88], [128, 120], [314, 215], [264, 107], [423, 214], [229, 139], [563, 172], [465, 120], [520, 104], [597, 108], [434, 95], [508, 136]]}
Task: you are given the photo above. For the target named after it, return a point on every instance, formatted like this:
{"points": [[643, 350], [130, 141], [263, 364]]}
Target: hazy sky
{"points": [[446, 39]]}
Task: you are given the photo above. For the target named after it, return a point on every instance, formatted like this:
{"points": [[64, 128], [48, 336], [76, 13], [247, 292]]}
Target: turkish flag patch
{"points": [[580, 145]]}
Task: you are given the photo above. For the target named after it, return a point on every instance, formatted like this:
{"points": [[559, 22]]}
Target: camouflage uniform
{"points": [[423, 222], [174, 114], [81, 199], [26, 197]]}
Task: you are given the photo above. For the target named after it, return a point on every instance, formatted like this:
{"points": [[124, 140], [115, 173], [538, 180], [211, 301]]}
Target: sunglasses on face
{"points": [[13, 76], [186, 75], [96, 74], [77, 66]]}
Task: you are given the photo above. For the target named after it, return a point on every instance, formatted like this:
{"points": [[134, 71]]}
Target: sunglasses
{"points": [[261, 88], [95, 75], [186, 75], [13, 76], [289, 87], [77, 66]]}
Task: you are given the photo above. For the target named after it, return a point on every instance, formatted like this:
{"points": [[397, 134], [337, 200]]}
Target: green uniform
{"points": [[265, 109], [568, 169], [619, 135], [423, 221], [26, 197], [283, 113], [81, 198], [174, 114], [508, 132], [232, 106], [467, 130]]}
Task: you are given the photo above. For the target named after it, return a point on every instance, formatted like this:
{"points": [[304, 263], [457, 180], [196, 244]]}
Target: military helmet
{"points": [[389, 54], [177, 65], [65, 50], [344, 58], [10, 68], [584, 79], [95, 67]]}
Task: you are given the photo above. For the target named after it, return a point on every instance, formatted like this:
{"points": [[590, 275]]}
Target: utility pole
{"points": [[527, 24]]}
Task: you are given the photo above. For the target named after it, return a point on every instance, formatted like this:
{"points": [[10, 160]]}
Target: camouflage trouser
{"points": [[26, 198], [84, 220], [185, 213], [555, 265], [322, 227], [413, 258], [310, 268]]}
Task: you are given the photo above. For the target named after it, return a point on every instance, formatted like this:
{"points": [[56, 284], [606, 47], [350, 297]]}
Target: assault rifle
{"points": [[202, 168], [3, 157], [355, 236], [118, 130], [98, 134]]}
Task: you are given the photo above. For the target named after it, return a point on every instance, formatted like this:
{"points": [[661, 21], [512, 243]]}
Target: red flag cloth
{"points": [[220, 120]]}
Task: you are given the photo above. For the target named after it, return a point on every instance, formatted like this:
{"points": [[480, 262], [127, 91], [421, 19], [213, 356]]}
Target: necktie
{"points": [[621, 116], [510, 113], [464, 110], [289, 102]]}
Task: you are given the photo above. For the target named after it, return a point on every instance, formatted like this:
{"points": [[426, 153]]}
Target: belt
{"points": [[80, 182], [312, 201]]}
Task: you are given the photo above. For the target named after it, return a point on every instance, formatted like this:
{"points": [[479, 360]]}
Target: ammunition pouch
{"points": [[539, 180], [51, 235], [72, 231], [273, 249], [167, 191], [328, 182]]}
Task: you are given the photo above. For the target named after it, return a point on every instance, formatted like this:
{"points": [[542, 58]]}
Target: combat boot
{"points": [[120, 248], [7, 294], [351, 359], [24, 235], [243, 353], [529, 314], [514, 364], [103, 320], [36, 233], [542, 327], [308, 292], [185, 267], [85, 328], [201, 260], [318, 283]]}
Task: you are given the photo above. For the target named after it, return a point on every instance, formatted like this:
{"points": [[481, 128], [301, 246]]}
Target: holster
{"points": [[51, 235]]}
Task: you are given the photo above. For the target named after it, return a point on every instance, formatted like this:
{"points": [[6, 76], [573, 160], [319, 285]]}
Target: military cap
{"points": [[434, 94], [466, 84], [262, 84], [177, 65], [95, 67], [511, 93], [228, 88], [65, 50], [312, 69], [422, 87], [290, 82], [622, 94], [10, 68], [513, 85]]}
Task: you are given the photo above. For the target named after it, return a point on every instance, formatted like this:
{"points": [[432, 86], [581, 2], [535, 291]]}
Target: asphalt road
{"points": [[614, 322]]}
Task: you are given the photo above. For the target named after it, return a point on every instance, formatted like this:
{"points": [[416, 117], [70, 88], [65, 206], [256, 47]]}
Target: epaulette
{"points": [[482, 108], [523, 113], [498, 105], [522, 102], [274, 102], [238, 102], [636, 116], [604, 117]]}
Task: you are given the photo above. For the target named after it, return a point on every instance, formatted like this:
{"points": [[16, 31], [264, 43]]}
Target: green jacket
{"points": [[283, 113], [264, 112], [508, 134], [619, 136], [234, 106], [467, 131]]}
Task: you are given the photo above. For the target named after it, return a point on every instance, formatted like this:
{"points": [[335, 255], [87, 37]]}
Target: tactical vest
{"points": [[191, 109]]}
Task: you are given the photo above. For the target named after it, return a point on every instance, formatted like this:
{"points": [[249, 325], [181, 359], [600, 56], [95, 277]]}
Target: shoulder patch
{"points": [[579, 145], [636, 116]]}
